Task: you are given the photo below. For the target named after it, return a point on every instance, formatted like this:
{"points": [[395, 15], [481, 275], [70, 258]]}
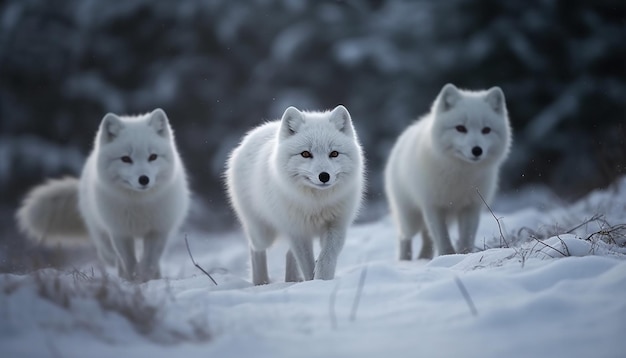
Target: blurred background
{"points": [[220, 67]]}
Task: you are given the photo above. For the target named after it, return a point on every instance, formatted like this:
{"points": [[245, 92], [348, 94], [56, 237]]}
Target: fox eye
{"points": [[486, 130], [461, 129], [126, 159], [152, 157], [306, 154], [334, 154]]}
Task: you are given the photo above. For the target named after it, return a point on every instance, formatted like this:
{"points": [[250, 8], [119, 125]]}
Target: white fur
{"points": [[275, 191], [433, 173], [115, 204], [49, 214]]}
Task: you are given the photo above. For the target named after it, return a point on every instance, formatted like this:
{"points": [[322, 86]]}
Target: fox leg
{"points": [[104, 247], [153, 247], [102, 241], [468, 224], [259, 267], [426, 252], [292, 272], [436, 225], [124, 247], [302, 250], [407, 218], [409, 222], [260, 237], [331, 245]]}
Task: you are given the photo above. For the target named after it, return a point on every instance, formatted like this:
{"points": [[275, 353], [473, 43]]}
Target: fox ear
{"points": [[340, 117], [291, 122], [495, 98], [448, 97], [158, 120], [110, 127]]}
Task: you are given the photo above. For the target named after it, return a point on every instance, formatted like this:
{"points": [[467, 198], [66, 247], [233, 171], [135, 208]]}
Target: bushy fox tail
{"points": [[49, 214]]}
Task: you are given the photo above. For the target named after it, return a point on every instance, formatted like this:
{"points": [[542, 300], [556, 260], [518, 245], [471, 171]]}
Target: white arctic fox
{"points": [[300, 177], [440, 164], [133, 186]]}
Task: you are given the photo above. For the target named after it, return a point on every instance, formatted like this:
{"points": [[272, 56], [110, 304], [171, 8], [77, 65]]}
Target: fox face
{"points": [[471, 126], [318, 150], [136, 152]]}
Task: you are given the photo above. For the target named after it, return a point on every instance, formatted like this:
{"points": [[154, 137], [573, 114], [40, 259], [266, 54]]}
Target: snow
{"points": [[552, 285]]}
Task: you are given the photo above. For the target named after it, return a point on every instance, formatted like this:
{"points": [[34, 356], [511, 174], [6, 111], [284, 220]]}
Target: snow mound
{"points": [[541, 283]]}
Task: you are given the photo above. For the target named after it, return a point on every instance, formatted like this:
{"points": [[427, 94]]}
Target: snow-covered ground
{"points": [[547, 287]]}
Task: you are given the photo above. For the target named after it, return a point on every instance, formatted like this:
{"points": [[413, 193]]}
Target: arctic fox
{"points": [[300, 177], [133, 186], [441, 163]]}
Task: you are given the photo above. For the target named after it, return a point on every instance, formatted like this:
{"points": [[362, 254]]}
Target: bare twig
{"points": [[533, 249], [567, 253], [610, 232], [554, 248], [194, 262], [357, 297], [596, 217], [466, 296], [79, 275], [494, 216], [531, 233]]}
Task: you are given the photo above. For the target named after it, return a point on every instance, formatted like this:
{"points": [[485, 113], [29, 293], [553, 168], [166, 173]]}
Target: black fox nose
{"points": [[144, 180], [324, 177], [477, 151]]}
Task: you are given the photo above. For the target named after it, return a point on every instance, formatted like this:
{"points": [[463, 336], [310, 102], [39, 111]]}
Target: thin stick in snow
{"points": [[596, 217], [466, 295], [357, 297], [194, 261], [494, 216], [554, 248]]}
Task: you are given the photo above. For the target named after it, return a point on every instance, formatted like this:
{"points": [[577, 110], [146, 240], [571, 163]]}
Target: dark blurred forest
{"points": [[220, 67]]}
